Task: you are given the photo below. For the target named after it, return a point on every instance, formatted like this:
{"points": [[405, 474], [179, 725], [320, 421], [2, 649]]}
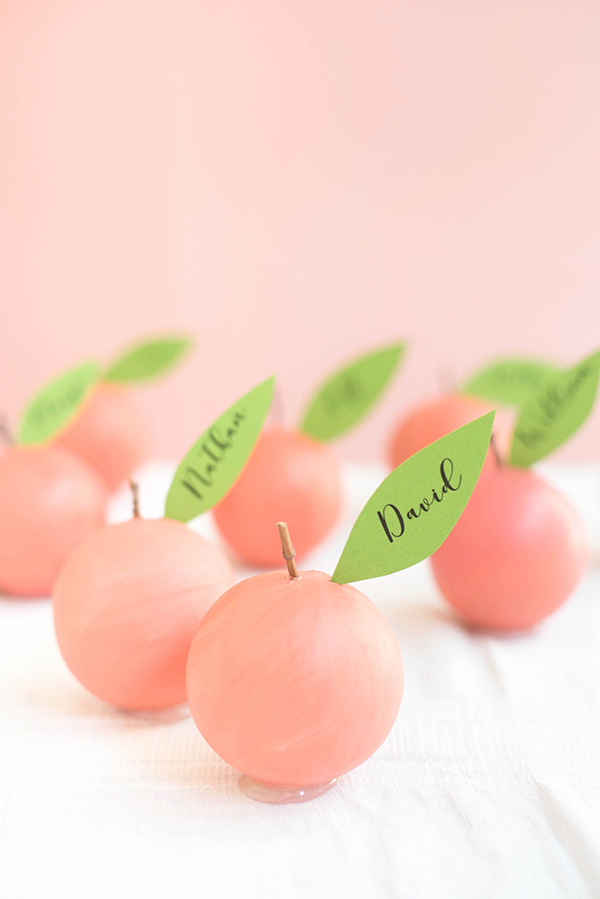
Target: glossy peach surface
{"points": [[436, 418], [294, 682], [50, 502], [288, 477], [127, 605], [110, 433], [515, 555]]}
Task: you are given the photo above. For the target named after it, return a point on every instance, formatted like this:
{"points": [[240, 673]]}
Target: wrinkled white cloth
{"points": [[488, 786]]}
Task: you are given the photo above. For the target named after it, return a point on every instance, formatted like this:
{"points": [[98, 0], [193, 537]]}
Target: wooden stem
{"points": [[277, 415], [496, 451], [289, 553], [135, 495], [446, 382], [5, 432]]}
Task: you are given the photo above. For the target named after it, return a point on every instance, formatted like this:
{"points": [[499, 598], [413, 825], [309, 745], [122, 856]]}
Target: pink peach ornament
{"points": [[50, 502], [516, 554], [127, 605], [297, 678], [109, 432], [294, 680], [289, 476], [440, 416]]}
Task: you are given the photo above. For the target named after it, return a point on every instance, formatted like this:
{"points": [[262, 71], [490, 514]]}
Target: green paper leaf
{"points": [[510, 381], [51, 410], [412, 512], [217, 458], [350, 393], [550, 417], [148, 359]]}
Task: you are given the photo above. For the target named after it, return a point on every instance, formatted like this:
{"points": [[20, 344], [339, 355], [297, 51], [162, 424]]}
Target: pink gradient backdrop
{"points": [[296, 181]]}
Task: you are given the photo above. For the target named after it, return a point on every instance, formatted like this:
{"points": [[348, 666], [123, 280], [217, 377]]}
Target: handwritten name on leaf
{"points": [[555, 412], [148, 359], [216, 459], [510, 381], [51, 410], [349, 394], [415, 508]]}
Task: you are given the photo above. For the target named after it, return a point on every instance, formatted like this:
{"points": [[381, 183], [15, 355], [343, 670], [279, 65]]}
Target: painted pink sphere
{"points": [[436, 418], [127, 605], [50, 502], [289, 477], [515, 555], [110, 433], [294, 682]]}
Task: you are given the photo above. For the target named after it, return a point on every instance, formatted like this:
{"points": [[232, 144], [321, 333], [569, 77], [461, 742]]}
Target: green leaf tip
{"points": [[415, 508], [555, 412], [56, 404], [217, 458], [510, 381], [149, 359], [350, 393]]}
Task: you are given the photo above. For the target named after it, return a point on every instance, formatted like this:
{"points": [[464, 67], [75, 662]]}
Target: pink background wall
{"points": [[296, 181]]}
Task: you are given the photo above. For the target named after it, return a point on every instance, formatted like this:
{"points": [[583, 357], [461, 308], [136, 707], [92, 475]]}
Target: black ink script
{"points": [[551, 403], [200, 475], [522, 373], [48, 409], [393, 521], [343, 394]]}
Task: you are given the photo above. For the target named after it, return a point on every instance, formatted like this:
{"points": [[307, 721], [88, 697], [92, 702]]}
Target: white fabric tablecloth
{"points": [[488, 786]]}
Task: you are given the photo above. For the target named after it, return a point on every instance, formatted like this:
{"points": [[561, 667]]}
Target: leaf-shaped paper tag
{"points": [[350, 393], [216, 459], [414, 509], [57, 403], [148, 359], [550, 417], [510, 381]]}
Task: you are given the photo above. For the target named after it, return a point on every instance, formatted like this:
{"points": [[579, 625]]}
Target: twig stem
{"points": [[446, 380], [496, 451], [6, 434], [289, 553], [135, 495]]}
